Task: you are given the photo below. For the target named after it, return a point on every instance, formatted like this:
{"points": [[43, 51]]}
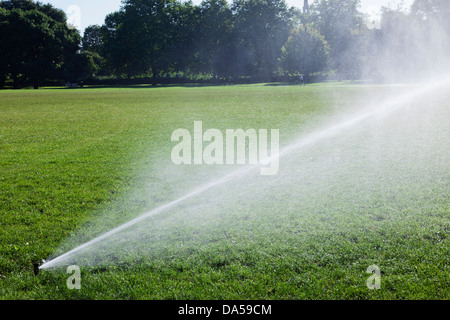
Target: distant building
{"points": [[305, 6]]}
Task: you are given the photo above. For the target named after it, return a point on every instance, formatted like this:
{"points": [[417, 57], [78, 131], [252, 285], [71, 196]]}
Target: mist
{"points": [[379, 154], [411, 45]]}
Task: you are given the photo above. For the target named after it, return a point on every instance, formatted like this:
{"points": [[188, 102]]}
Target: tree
{"points": [[142, 37], [92, 39], [305, 52], [35, 41], [181, 52], [4, 52], [115, 43], [82, 66], [262, 27], [214, 43], [397, 46], [344, 28], [93, 46]]}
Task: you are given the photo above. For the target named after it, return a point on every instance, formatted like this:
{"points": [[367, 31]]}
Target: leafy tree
{"points": [[35, 41], [93, 46], [115, 44], [213, 44], [305, 52], [92, 39], [181, 51], [5, 58], [142, 37], [262, 27], [82, 66], [344, 28]]}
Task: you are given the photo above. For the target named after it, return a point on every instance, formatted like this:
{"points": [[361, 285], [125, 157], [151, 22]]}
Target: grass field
{"points": [[76, 162]]}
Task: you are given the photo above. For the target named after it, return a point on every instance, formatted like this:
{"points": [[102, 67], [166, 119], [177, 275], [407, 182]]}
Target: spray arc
{"points": [[382, 109]]}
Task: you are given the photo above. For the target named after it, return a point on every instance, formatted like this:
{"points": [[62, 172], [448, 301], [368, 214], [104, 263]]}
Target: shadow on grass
{"points": [[186, 85], [144, 86], [175, 85]]}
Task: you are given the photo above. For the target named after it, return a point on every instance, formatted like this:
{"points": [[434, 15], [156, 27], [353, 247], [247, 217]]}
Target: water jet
{"points": [[380, 110]]}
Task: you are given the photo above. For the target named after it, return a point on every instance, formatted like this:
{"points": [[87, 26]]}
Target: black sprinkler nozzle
{"points": [[36, 266]]}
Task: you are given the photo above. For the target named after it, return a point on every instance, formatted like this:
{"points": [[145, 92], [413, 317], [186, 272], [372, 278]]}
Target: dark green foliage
{"points": [[81, 66], [92, 39], [262, 27], [36, 42], [306, 52], [217, 40]]}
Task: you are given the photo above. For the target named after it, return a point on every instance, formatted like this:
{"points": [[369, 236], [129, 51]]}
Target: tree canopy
{"points": [[242, 40], [305, 52], [35, 42]]}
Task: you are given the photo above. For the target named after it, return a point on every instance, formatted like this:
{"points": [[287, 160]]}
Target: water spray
{"points": [[382, 109]]}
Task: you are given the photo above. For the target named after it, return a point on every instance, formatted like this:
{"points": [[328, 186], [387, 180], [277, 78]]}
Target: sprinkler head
{"points": [[36, 266]]}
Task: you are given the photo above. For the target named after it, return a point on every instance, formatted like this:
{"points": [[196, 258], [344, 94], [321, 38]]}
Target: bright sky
{"points": [[83, 13]]}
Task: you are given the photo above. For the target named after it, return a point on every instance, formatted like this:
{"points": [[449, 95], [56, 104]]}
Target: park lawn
{"points": [[70, 157]]}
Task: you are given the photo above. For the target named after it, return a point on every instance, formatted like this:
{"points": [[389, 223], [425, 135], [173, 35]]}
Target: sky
{"points": [[83, 13]]}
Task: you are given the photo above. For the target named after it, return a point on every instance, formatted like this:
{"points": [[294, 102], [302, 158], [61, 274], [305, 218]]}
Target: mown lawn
{"points": [[77, 162]]}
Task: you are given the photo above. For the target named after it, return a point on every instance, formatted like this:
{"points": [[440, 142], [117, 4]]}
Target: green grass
{"points": [[75, 162]]}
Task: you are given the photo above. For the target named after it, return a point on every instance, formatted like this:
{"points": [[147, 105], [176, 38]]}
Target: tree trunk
{"points": [[2, 79], [154, 77]]}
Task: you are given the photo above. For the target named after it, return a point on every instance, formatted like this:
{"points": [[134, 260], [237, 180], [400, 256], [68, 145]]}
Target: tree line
{"points": [[217, 41]]}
